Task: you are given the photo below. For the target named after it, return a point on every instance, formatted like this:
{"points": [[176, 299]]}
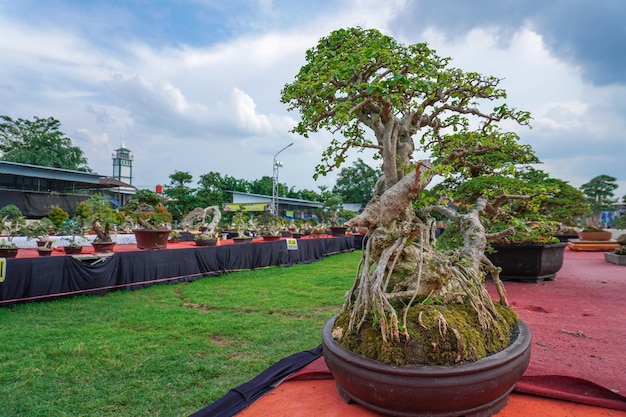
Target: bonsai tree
{"points": [[599, 192], [11, 222], [40, 230], [146, 209], [533, 208], [57, 216], [74, 228], [399, 100], [268, 224], [197, 220], [98, 212]]}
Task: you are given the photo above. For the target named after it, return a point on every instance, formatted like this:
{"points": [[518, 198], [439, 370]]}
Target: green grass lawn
{"points": [[166, 350]]}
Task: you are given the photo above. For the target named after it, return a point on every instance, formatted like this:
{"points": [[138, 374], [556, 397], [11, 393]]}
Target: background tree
{"points": [[39, 142], [264, 186], [599, 192], [356, 184], [182, 198], [211, 191], [372, 92]]}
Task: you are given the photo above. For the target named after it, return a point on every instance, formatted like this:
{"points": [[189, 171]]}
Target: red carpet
{"points": [[577, 368], [579, 330]]}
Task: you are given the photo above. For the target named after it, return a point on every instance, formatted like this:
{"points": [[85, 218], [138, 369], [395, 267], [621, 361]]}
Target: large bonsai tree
{"points": [[403, 100]]}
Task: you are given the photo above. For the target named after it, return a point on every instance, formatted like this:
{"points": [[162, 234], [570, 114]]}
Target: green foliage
{"points": [[73, 227], [147, 209], [39, 142], [11, 221], [527, 208], [599, 192], [98, 208], [39, 229], [356, 184], [620, 222], [357, 78], [565, 204], [57, 216], [182, 198]]}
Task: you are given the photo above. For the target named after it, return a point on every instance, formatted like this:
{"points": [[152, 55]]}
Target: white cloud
{"points": [[216, 106]]}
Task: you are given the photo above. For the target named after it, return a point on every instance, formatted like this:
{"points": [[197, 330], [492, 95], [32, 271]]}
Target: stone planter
{"points": [[614, 258], [528, 262], [151, 239], [480, 388]]}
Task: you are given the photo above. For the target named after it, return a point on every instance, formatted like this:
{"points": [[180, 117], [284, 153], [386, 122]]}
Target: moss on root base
{"points": [[432, 342]]}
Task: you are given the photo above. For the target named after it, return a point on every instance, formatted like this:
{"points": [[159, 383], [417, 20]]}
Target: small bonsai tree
{"points": [[268, 224], [399, 100], [146, 209], [57, 216], [74, 228], [197, 220], [98, 212], [11, 222]]}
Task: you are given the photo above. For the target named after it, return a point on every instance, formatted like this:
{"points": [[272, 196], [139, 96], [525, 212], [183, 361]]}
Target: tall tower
{"points": [[123, 165]]}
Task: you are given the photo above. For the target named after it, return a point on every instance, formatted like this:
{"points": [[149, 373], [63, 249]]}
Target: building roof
{"points": [[250, 197], [36, 171]]}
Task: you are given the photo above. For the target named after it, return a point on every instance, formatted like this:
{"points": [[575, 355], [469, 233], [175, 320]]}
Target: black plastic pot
{"points": [[528, 262]]}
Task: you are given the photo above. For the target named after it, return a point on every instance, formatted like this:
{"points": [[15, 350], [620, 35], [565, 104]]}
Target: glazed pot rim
{"points": [[496, 360], [529, 245]]}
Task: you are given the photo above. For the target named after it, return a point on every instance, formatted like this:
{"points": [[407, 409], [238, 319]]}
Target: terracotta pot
{"points": [[528, 262], [475, 389], [151, 239], [602, 236], [72, 250], [103, 247], [271, 238]]}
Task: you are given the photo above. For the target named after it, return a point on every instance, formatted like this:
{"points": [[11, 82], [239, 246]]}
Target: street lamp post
{"points": [[275, 165]]}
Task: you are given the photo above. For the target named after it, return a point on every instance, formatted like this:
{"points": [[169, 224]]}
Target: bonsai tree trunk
{"points": [[102, 233]]}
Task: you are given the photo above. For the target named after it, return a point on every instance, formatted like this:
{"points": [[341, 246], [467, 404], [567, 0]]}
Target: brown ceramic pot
{"points": [[475, 389]]}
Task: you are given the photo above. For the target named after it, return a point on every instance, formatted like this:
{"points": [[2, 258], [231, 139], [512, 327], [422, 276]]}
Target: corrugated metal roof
{"points": [[36, 171]]}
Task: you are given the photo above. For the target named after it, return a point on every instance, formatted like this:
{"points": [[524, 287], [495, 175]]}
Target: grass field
{"points": [[166, 350]]}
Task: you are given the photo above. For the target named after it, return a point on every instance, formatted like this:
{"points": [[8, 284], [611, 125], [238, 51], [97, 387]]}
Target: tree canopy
{"points": [[356, 184], [599, 192], [39, 142], [357, 79]]}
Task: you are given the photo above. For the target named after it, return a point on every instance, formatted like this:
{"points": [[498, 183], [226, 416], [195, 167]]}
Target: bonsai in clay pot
{"points": [[413, 303]]}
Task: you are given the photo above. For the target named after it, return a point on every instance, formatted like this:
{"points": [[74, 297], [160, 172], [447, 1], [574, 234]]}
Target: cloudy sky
{"points": [[194, 85]]}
